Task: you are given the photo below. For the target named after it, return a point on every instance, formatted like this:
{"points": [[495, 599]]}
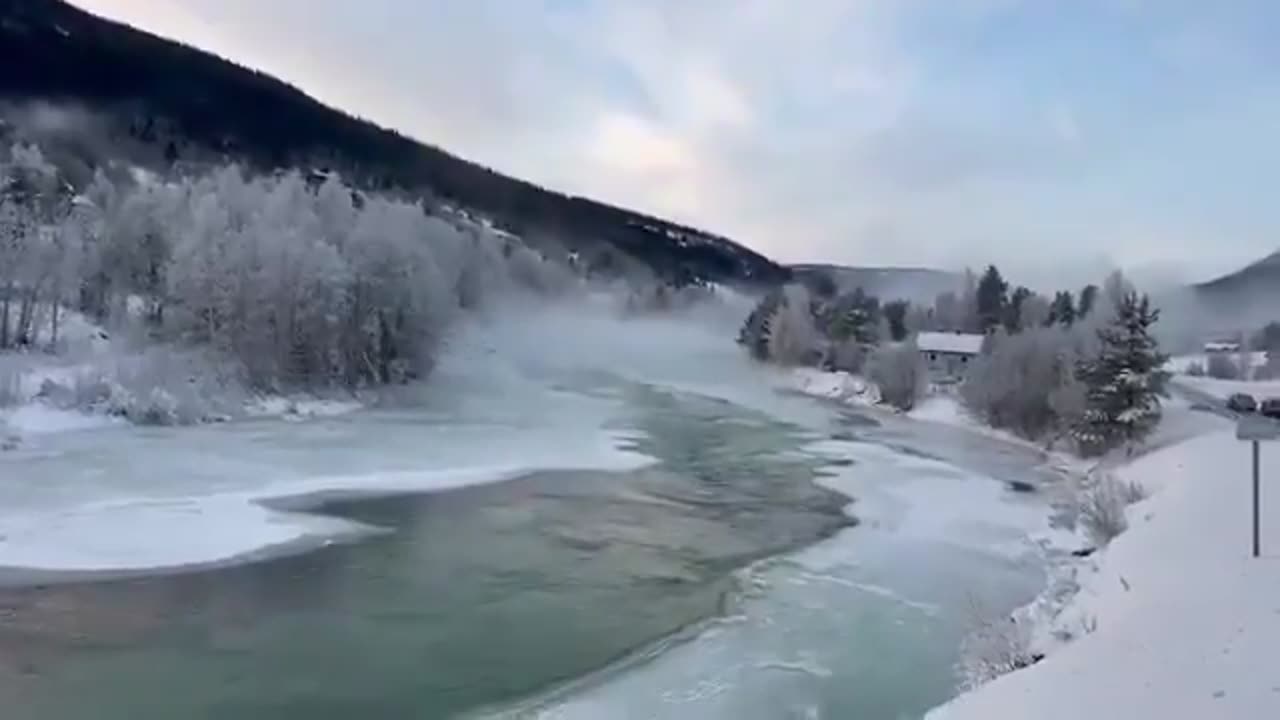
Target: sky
{"points": [[1055, 137]]}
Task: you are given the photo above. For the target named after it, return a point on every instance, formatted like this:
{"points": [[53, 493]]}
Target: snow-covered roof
{"points": [[959, 343], [1221, 346]]}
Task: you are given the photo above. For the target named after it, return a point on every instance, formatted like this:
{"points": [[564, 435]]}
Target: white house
{"points": [[948, 354]]}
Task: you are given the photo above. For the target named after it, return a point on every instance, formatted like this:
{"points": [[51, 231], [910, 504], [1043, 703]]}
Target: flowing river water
{"points": [[704, 547]]}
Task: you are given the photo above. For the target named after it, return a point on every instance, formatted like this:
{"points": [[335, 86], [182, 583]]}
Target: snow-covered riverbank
{"points": [[1173, 619], [1178, 621]]}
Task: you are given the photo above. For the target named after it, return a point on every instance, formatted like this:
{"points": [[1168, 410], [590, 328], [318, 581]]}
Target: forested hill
{"points": [[193, 106]]}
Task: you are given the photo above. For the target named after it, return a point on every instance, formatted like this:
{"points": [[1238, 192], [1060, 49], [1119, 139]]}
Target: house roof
{"points": [[959, 343]]}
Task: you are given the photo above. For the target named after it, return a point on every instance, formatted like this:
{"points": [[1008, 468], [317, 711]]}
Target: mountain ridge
{"points": [[187, 102]]}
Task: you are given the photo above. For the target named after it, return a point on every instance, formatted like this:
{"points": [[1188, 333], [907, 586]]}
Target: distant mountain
{"points": [[188, 106], [919, 285], [1250, 294]]}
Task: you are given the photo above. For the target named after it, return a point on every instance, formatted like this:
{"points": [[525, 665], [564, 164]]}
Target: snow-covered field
{"points": [[1184, 623]]}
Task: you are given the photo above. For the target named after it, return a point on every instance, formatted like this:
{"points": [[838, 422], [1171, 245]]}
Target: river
{"points": [[648, 535]]}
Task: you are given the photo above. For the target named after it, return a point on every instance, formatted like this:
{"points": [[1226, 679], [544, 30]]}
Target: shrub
{"points": [[1102, 506], [792, 337], [899, 373], [1196, 369], [1025, 383]]}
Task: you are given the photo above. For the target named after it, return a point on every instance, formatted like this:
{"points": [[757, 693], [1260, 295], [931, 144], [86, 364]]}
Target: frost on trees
{"points": [[299, 283], [1124, 381]]}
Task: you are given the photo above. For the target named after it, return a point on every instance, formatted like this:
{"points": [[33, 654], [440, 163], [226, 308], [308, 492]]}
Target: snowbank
{"points": [[1173, 619], [839, 386], [301, 406], [38, 418]]}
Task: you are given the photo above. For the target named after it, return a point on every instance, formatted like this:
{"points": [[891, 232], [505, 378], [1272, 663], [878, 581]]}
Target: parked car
{"points": [[1270, 407], [1243, 403]]}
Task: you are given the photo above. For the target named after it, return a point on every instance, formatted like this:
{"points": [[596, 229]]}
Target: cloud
{"points": [[862, 131]]}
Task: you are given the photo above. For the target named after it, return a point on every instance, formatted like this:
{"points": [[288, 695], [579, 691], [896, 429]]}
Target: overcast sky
{"points": [[1059, 135]]}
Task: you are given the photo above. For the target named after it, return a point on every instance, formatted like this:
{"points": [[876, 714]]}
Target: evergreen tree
{"points": [[1062, 311], [1123, 381], [1013, 312], [1088, 298], [991, 299], [895, 314], [856, 316], [754, 335]]}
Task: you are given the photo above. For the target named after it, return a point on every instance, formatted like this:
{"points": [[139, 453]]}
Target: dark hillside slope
{"points": [[1250, 295], [191, 104]]}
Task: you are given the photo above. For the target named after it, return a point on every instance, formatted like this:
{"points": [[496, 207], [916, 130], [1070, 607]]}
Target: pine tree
{"points": [[1013, 311], [895, 314], [991, 298], [1088, 298], [1123, 381], [754, 335], [855, 316], [1062, 311]]}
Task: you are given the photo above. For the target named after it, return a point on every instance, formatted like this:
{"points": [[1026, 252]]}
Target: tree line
{"points": [[302, 281], [1083, 367]]}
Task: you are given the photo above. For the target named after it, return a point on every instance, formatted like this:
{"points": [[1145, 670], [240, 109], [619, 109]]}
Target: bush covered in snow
{"points": [[1026, 382], [900, 373], [1103, 500]]}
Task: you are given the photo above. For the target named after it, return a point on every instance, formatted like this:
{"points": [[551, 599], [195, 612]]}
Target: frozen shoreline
{"points": [[1169, 620]]}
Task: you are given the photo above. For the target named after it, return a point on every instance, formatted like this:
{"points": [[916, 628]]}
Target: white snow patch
{"points": [[38, 418], [300, 407], [173, 531], [1183, 621], [839, 386]]}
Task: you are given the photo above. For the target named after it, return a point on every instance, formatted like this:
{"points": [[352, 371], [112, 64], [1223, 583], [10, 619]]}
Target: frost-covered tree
{"points": [[1023, 382], [1124, 380], [792, 337], [899, 372], [298, 283]]}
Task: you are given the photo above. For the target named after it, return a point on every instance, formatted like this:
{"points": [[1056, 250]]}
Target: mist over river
{"points": [[576, 518]]}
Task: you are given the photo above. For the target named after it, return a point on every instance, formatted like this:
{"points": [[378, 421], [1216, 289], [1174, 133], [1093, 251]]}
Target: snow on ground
{"points": [[300, 406], [832, 386], [38, 418], [1174, 618]]}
